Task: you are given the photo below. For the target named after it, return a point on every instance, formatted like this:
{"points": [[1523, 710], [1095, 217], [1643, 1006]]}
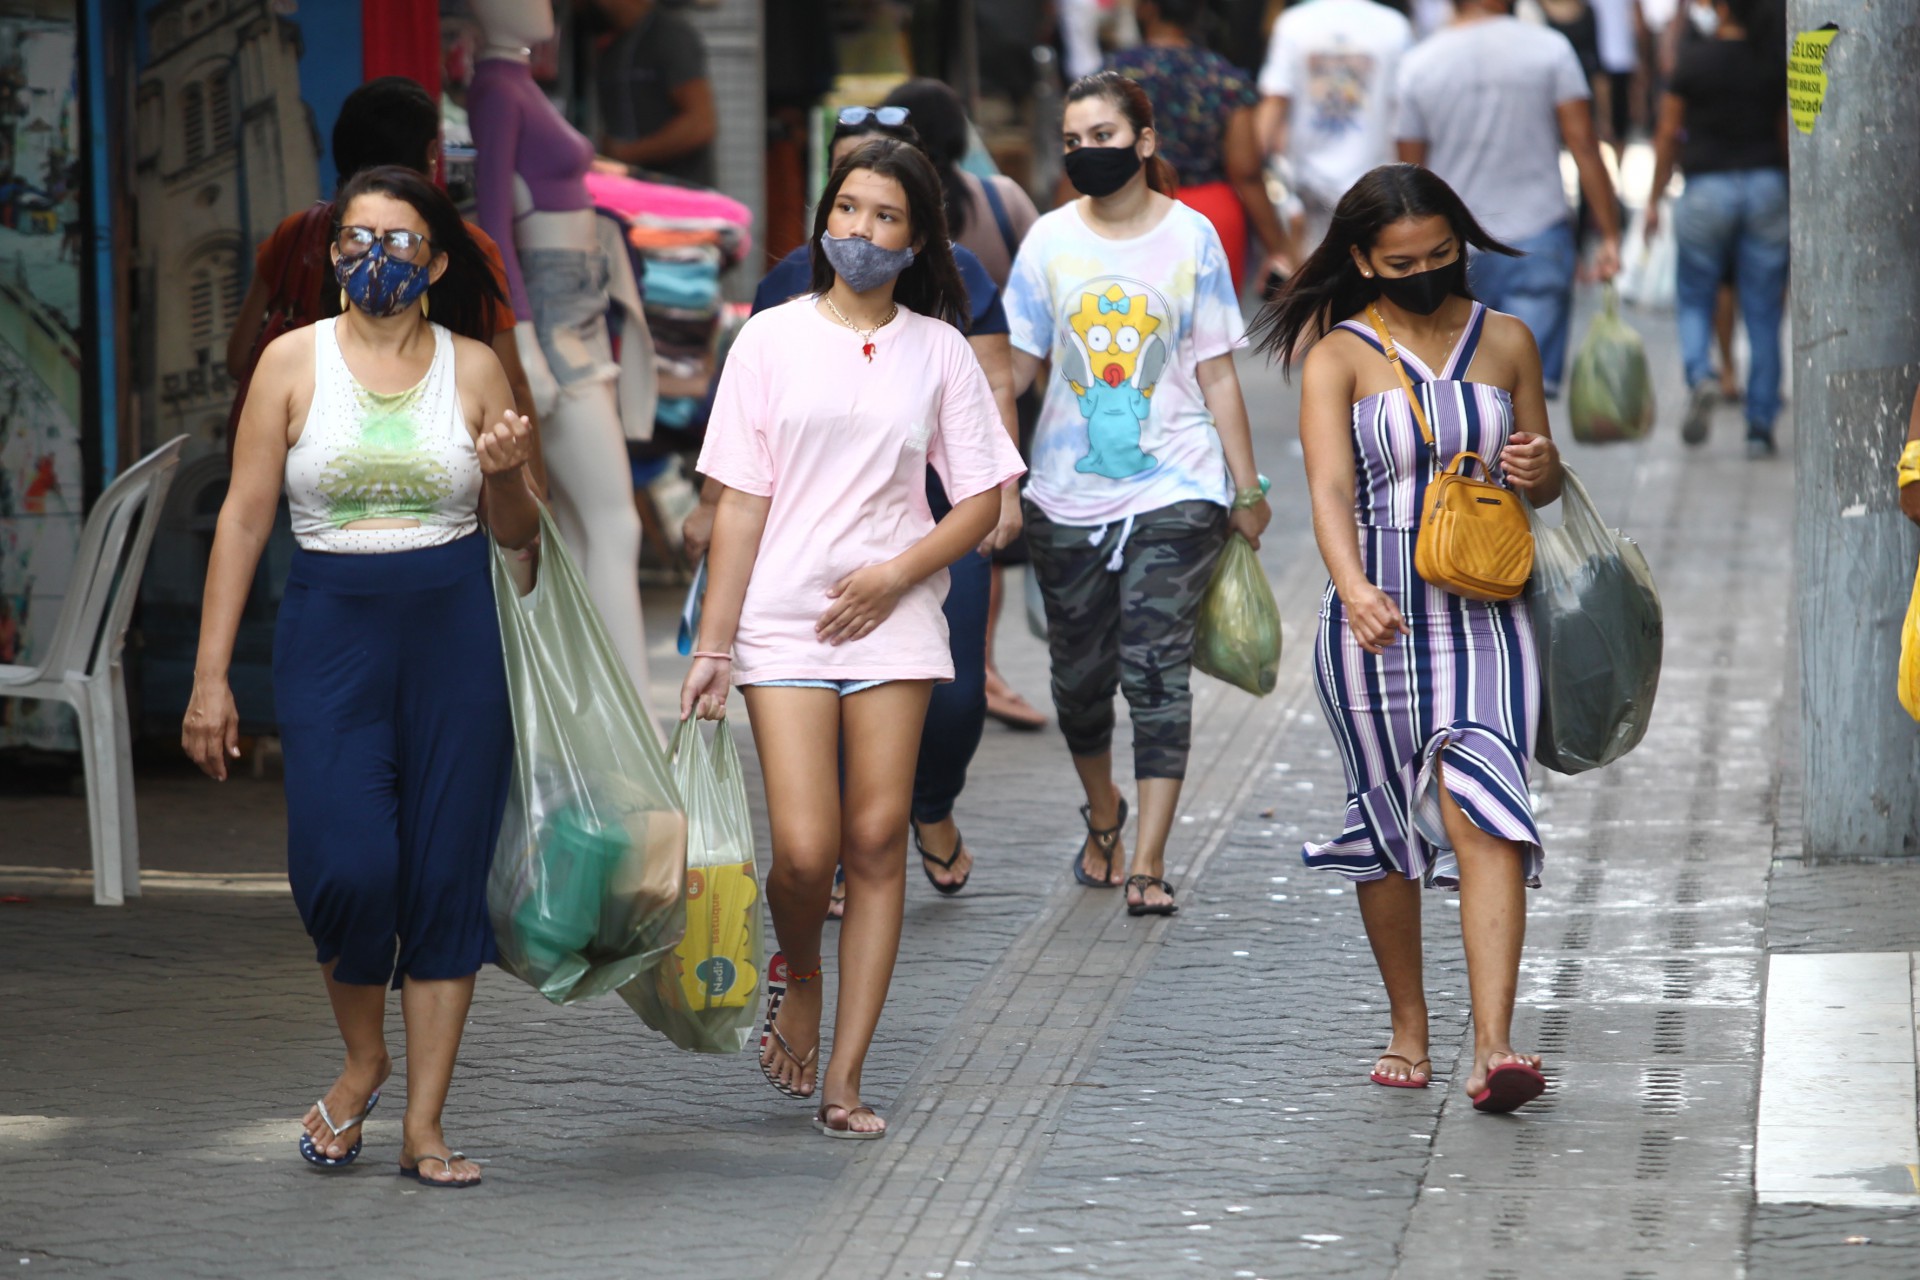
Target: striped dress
{"points": [[1458, 698]]}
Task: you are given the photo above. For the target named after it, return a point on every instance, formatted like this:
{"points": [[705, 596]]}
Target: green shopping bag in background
{"points": [[1238, 636], [586, 889], [705, 995], [1610, 394]]}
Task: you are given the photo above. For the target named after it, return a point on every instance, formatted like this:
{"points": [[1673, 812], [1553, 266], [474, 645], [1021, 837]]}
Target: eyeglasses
{"points": [[888, 117], [401, 246]]}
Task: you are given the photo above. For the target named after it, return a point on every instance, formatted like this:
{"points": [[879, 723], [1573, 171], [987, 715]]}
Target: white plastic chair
{"points": [[81, 665]]}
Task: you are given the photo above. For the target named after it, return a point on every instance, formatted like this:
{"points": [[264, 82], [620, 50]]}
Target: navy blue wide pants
{"points": [[398, 739]]}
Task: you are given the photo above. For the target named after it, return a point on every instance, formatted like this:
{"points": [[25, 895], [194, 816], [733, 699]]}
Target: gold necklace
{"points": [[865, 335]]}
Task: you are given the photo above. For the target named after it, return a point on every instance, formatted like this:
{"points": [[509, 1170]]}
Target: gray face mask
{"points": [[861, 263]]}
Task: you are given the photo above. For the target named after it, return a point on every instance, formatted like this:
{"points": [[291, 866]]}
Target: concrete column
{"points": [[1856, 331]]}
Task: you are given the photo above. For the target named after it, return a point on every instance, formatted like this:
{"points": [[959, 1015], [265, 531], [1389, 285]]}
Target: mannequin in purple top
{"points": [[532, 199]]}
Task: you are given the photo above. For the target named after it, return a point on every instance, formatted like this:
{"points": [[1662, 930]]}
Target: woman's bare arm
{"points": [[1326, 438], [994, 351], [211, 732]]}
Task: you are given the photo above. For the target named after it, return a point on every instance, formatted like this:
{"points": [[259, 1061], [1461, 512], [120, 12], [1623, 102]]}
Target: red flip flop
{"points": [[1389, 1082], [1510, 1086]]}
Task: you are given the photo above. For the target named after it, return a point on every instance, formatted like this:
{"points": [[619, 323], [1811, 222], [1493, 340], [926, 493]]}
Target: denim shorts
{"points": [[841, 687], [568, 291]]}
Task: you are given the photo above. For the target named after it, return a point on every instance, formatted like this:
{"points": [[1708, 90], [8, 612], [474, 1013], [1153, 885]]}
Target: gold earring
{"points": [[423, 306], [343, 299]]}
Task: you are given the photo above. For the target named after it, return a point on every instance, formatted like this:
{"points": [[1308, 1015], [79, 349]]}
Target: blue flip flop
{"points": [[315, 1156], [1104, 840], [459, 1184]]}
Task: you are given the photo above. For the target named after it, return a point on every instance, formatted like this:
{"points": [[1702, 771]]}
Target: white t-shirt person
{"points": [[1335, 61], [1123, 428]]}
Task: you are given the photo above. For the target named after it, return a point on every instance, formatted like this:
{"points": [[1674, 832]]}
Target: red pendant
{"points": [[866, 350]]}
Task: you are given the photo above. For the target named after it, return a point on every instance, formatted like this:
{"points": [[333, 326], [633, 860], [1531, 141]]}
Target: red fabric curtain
{"points": [[401, 38]]}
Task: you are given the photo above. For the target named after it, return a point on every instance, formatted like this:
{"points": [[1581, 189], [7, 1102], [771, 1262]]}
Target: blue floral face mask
{"points": [[379, 285]]}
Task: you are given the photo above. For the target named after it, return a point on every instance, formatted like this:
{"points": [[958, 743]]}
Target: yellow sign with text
{"points": [[1807, 75]]}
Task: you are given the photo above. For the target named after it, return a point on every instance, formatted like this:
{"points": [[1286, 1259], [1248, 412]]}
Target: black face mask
{"points": [[1423, 292], [1101, 171]]}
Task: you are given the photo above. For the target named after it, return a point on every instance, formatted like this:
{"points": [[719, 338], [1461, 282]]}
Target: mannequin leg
{"points": [[586, 455]]}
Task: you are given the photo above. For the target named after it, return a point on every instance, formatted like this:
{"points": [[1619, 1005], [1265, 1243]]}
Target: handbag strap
{"points": [[1406, 383]]}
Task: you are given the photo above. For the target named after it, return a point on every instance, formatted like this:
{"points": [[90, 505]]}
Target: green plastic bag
{"points": [[705, 995], [587, 886], [1598, 628], [1238, 637], [1610, 396]]}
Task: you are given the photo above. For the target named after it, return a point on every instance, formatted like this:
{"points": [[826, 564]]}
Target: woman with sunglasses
{"points": [[396, 442], [957, 714], [825, 583]]}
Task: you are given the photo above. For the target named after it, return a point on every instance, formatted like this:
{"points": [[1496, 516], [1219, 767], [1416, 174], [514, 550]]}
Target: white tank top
{"points": [[364, 456]]}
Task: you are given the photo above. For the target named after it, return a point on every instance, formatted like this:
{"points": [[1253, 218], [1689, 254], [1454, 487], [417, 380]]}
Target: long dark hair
{"points": [[931, 285], [1126, 94], [1328, 287], [459, 298], [941, 119]]}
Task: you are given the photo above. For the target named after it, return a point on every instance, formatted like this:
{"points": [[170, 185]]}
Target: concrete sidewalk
{"points": [[1071, 1091]]}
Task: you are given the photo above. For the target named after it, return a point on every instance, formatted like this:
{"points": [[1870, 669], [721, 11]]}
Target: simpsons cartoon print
{"points": [[1114, 355]]}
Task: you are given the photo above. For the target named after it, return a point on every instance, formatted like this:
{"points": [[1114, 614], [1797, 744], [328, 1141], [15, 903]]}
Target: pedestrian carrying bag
{"points": [[1474, 537], [705, 995], [1597, 628], [586, 891], [1610, 392], [1237, 638]]}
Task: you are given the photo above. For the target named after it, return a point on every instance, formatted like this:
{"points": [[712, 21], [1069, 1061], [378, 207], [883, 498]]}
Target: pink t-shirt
{"points": [[842, 448]]}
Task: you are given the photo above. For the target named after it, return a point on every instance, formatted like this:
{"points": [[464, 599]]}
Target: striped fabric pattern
{"points": [[1460, 696]]}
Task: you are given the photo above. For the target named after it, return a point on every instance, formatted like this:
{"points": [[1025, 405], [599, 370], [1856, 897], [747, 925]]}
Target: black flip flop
{"points": [[1145, 908], [1104, 840], [457, 1184], [945, 864]]}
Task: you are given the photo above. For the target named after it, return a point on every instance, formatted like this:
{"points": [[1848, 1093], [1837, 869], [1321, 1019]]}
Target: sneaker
{"points": [[1693, 428], [1759, 447]]}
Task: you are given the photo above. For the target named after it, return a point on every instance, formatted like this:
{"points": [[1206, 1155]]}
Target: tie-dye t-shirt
{"points": [[1126, 323]]}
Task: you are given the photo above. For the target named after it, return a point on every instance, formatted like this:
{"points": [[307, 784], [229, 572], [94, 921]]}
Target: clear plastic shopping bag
{"points": [[705, 995], [1610, 391], [1597, 626], [1238, 636], [587, 885], [1910, 654]]}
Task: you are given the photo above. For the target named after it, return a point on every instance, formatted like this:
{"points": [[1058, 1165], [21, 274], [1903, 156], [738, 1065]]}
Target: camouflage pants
{"points": [[1120, 616]]}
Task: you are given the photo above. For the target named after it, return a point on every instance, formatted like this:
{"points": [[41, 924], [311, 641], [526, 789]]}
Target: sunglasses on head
{"points": [[401, 246], [890, 117]]}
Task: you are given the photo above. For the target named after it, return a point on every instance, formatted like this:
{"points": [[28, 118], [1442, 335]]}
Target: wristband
{"points": [[1908, 470], [719, 657], [1252, 496]]}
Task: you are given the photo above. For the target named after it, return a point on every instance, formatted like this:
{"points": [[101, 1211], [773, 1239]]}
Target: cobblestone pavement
{"points": [[1071, 1091]]}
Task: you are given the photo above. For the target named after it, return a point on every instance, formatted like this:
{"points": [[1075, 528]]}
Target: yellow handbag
{"points": [[1910, 654], [1474, 537]]}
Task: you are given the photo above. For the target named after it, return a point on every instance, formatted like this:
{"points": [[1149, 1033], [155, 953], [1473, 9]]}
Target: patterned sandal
{"points": [[777, 978], [1105, 841], [313, 1155], [1145, 908]]}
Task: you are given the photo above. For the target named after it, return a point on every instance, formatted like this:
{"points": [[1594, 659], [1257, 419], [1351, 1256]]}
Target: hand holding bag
{"points": [[1597, 625], [1474, 538], [586, 890]]}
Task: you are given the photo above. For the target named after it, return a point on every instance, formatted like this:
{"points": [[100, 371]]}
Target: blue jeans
{"points": [[1536, 288], [1734, 226]]}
